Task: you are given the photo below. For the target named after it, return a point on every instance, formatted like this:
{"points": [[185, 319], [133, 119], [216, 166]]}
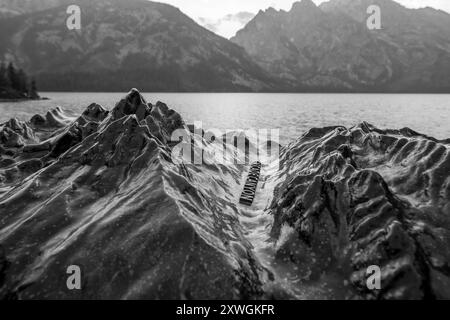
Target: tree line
{"points": [[12, 78]]}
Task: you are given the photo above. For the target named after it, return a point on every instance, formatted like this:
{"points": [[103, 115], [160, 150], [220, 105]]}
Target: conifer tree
{"points": [[33, 94], [22, 82], [3, 77], [12, 76]]}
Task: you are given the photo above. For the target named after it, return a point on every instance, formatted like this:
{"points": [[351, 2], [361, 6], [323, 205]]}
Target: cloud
{"points": [[228, 25]]}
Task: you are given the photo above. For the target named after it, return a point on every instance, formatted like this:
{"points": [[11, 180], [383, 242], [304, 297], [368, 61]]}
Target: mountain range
{"points": [[331, 47], [307, 49], [124, 43]]}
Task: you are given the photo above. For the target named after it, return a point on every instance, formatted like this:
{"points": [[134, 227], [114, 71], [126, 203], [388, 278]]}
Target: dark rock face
{"points": [[4, 263], [359, 197], [134, 103], [37, 120], [15, 134], [94, 113]]}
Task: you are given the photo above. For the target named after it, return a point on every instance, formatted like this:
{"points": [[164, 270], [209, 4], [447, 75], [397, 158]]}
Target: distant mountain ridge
{"points": [[122, 44], [11, 8], [330, 48], [154, 46]]}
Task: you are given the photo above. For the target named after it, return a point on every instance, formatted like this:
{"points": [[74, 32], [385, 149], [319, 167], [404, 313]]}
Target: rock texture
{"points": [[103, 191], [11, 8], [353, 198], [329, 47]]}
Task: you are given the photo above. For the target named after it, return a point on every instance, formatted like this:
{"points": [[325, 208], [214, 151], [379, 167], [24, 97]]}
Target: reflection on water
{"points": [[293, 114]]}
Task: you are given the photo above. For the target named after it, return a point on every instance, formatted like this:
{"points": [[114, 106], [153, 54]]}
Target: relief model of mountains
{"points": [[105, 191], [309, 48]]}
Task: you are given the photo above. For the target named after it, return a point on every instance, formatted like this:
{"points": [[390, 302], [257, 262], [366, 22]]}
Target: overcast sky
{"points": [[217, 8]]}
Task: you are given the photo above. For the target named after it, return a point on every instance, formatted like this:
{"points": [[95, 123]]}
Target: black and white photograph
{"points": [[243, 151]]}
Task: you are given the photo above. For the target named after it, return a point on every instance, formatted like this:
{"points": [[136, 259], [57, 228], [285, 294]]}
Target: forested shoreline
{"points": [[15, 84]]}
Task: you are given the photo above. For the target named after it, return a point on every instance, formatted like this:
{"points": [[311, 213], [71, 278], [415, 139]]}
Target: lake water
{"points": [[293, 114]]}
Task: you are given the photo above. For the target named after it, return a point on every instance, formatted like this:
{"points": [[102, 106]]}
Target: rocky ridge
{"points": [[124, 43], [360, 197], [102, 191], [329, 47]]}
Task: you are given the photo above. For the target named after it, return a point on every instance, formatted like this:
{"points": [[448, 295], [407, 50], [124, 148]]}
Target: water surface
{"points": [[293, 114]]}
